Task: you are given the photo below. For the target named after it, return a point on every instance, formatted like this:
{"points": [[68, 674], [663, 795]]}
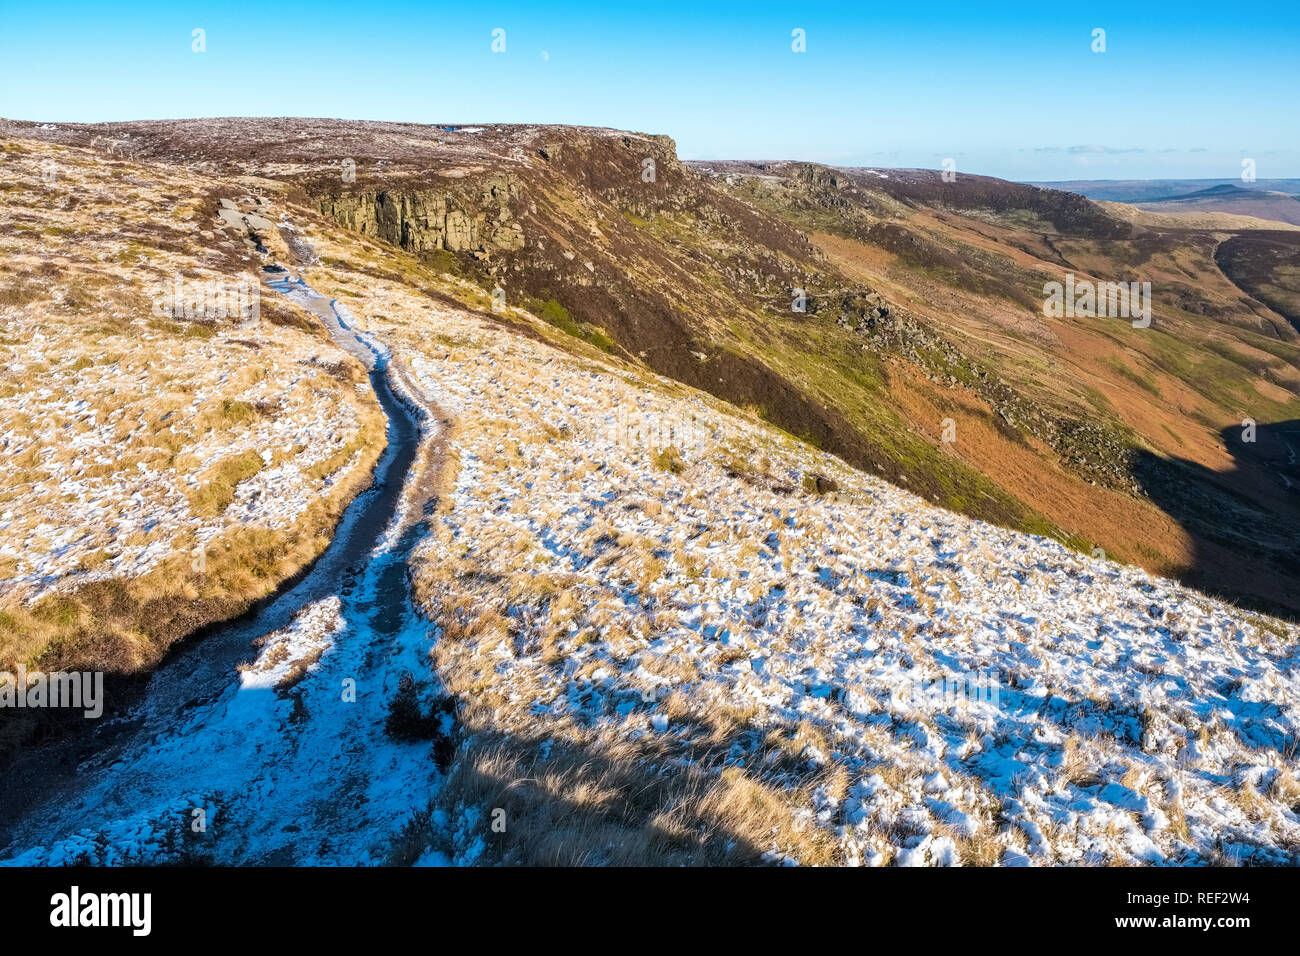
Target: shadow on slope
{"points": [[558, 801], [1245, 523], [1266, 266]]}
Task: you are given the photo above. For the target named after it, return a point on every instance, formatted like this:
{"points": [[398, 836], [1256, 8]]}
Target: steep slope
{"points": [[673, 633], [1129, 437], [658, 629], [677, 274], [1266, 266], [921, 353], [632, 249]]}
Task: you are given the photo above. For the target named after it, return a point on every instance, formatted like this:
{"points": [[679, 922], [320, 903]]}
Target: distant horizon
{"points": [[1177, 179], [690, 159], [1015, 91]]}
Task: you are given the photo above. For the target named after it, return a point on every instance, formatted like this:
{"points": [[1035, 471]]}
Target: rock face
{"points": [[476, 221]]}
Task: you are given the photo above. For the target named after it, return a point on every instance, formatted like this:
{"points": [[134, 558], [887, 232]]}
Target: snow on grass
{"points": [[924, 688], [115, 480], [114, 422], [651, 588], [289, 761], [288, 654]]}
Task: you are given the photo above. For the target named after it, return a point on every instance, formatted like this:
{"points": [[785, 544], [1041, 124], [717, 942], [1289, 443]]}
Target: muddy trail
{"points": [[271, 752]]}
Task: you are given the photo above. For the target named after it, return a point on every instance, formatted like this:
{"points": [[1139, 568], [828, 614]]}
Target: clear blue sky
{"points": [[1012, 90]]}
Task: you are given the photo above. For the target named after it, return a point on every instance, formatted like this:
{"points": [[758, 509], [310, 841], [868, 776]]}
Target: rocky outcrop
{"points": [[1094, 450], [423, 219]]}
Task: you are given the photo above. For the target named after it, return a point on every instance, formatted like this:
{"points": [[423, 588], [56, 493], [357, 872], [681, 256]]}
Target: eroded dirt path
{"points": [[267, 764]]}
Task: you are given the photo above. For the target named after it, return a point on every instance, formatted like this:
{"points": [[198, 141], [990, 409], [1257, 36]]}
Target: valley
{"points": [[644, 502]]}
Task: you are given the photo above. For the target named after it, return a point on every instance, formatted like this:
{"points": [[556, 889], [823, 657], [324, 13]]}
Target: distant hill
{"points": [[1153, 190], [1230, 198], [1273, 199], [1222, 191]]}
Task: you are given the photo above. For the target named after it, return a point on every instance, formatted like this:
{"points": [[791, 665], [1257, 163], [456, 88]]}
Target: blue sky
{"points": [[1012, 90]]}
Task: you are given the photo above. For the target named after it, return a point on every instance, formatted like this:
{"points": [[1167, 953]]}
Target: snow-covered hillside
{"points": [[620, 563], [669, 632]]}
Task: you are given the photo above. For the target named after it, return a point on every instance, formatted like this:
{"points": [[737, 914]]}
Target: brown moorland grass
{"points": [[125, 626], [90, 360], [217, 485], [616, 804], [122, 626], [1092, 512]]}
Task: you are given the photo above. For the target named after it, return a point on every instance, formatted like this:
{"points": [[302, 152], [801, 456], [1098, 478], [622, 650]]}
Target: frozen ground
{"points": [[616, 560], [288, 761], [98, 487], [957, 692], [116, 416]]}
